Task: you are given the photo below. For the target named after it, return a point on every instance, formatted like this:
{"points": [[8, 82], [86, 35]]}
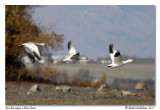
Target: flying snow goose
{"points": [[116, 58], [72, 55], [31, 48]]}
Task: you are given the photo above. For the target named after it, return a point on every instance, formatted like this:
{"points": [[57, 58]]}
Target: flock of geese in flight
{"points": [[31, 49]]}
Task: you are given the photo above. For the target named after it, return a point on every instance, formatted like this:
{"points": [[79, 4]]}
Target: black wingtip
{"points": [[77, 53], [69, 44], [38, 57], [69, 41], [117, 54], [111, 48]]}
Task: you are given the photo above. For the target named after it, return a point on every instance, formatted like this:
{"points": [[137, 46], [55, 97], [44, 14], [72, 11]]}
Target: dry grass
{"points": [[45, 101]]}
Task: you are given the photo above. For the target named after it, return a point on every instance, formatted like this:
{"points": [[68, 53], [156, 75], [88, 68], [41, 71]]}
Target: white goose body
{"points": [[72, 55], [31, 48], [116, 58]]}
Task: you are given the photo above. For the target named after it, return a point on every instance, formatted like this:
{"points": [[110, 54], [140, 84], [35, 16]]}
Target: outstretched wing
{"points": [[117, 57], [32, 49], [40, 44], [112, 51], [71, 49], [35, 51]]}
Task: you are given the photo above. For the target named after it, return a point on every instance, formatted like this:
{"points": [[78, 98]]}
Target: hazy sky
{"points": [[92, 28]]}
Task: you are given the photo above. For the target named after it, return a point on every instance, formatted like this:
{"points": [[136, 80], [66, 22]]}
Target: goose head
{"points": [[83, 58], [45, 44], [130, 60]]}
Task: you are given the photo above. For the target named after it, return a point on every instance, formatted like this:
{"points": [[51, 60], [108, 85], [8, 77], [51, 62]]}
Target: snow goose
{"points": [[116, 58], [31, 48], [72, 55]]}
